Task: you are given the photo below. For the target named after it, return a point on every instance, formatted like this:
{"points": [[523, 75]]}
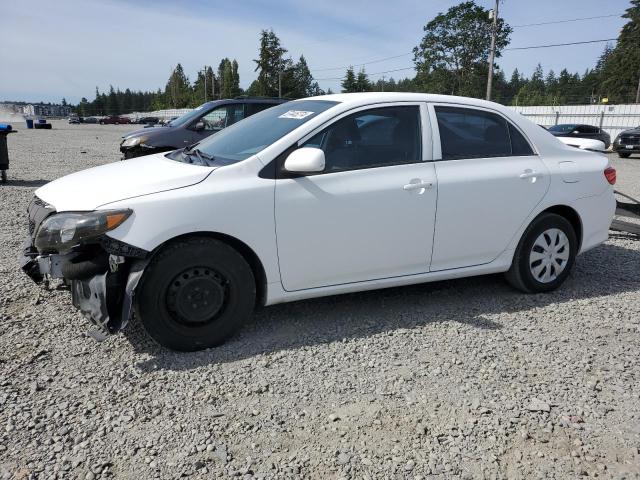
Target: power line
{"points": [[562, 44], [361, 64], [326, 69], [370, 74], [513, 48], [566, 21]]}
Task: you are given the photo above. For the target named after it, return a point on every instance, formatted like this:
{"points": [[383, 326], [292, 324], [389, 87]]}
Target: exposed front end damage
{"points": [[102, 273]]}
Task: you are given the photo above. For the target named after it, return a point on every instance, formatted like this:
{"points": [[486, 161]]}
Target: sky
{"points": [[65, 48]]}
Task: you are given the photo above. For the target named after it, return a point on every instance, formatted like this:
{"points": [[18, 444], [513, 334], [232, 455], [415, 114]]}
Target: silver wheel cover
{"points": [[549, 255]]}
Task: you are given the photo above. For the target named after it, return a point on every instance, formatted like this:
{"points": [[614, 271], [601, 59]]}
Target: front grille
{"points": [[630, 139], [37, 211]]}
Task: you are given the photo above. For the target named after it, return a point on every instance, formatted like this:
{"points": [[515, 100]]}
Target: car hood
{"points": [[150, 131], [632, 131], [89, 189]]}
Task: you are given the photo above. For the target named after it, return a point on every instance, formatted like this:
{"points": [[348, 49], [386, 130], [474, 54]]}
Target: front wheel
{"points": [[544, 256], [624, 154], [195, 293]]}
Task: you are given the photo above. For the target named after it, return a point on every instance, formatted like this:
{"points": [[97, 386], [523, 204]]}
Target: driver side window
{"points": [[372, 138], [223, 117], [215, 119]]}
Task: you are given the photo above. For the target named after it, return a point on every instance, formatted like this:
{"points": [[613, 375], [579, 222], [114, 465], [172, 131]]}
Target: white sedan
{"points": [[316, 197]]}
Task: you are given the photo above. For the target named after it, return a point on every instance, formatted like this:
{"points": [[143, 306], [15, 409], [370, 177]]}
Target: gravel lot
{"points": [[458, 379]]}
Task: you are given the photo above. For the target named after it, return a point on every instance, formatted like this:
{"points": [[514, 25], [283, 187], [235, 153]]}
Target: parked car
{"points": [[148, 120], [584, 143], [115, 120], [193, 126], [90, 120], [572, 130], [74, 120], [316, 197], [627, 142]]}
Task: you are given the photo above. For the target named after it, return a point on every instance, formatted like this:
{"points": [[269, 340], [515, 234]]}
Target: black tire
{"points": [[520, 275], [624, 154], [219, 278], [3, 176]]}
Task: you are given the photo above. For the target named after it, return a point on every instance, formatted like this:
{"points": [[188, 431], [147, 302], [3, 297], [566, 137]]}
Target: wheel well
{"points": [[572, 216], [247, 252]]}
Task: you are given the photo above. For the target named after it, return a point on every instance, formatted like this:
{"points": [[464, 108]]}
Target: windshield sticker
{"points": [[296, 114]]}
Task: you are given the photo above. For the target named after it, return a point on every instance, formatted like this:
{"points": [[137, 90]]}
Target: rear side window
{"points": [[519, 145], [257, 107], [470, 133]]}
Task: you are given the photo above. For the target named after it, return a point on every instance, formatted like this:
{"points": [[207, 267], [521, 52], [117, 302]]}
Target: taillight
{"points": [[610, 175]]}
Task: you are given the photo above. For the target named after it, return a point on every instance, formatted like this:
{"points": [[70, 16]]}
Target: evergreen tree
{"points": [[178, 90], [270, 64], [302, 80], [227, 80], [349, 83], [621, 69], [111, 106], [362, 82], [235, 79]]}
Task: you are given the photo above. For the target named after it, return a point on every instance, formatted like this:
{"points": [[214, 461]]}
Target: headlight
{"points": [[617, 140], [133, 141], [62, 231]]}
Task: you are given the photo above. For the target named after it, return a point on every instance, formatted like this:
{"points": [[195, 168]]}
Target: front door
{"points": [[489, 181], [370, 213]]}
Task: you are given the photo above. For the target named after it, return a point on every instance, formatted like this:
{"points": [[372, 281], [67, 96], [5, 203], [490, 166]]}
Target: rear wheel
{"points": [[544, 256], [195, 293], [624, 154]]}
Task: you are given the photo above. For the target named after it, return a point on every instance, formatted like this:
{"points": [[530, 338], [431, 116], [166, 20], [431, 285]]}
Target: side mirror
{"points": [[199, 126], [305, 160]]}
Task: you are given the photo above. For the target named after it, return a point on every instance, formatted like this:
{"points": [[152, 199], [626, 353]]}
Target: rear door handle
{"points": [[417, 186]]}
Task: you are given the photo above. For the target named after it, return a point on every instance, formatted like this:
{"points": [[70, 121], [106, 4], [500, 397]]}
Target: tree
{"points": [[362, 82], [349, 82], [302, 84], [227, 81], [454, 51], [178, 90], [235, 79], [270, 64], [111, 106], [621, 67]]}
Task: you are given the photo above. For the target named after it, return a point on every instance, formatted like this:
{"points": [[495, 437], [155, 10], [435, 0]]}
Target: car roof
{"points": [[366, 98], [231, 101]]}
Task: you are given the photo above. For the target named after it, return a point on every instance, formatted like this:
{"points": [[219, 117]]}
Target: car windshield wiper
{"points": [[202, 156]]}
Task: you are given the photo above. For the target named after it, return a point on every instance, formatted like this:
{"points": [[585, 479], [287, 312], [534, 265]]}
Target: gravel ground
{"points": [[458, 379]]}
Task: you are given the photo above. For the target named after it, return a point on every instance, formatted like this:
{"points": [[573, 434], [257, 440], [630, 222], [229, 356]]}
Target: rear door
{"points": [[489, 181]]}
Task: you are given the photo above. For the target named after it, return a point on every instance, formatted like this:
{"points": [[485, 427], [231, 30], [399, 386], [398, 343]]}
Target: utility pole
{"points": [[279, 84], [382, 83], [213, 85], [205, 84], [493, 14], [638, 91]]}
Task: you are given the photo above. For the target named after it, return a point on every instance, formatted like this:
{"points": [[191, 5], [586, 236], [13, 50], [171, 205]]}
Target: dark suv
{"points": [[192, 127], [627, 142]]}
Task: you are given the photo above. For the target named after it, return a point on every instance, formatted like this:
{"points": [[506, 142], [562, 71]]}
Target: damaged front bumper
{"points": [[102, 284]]}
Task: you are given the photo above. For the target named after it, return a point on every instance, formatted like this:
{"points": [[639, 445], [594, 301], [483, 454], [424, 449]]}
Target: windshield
{"points": [[188, 117], [253, 134], [563, 128]]}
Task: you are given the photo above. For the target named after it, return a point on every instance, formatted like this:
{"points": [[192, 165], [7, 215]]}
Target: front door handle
{"points": [[528, 173], [417, 184]]}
